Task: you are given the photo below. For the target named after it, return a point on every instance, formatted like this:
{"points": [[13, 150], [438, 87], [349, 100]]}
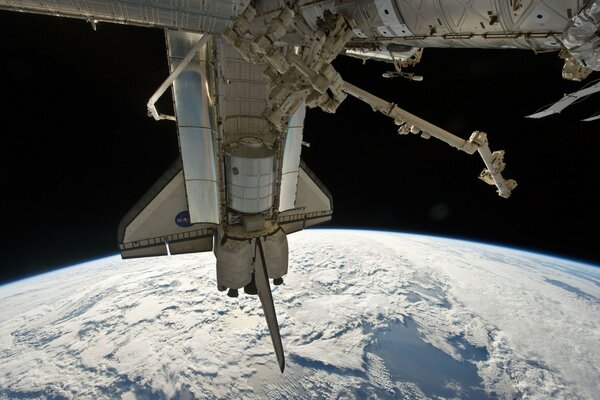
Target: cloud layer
{"points": [[158, 328]]}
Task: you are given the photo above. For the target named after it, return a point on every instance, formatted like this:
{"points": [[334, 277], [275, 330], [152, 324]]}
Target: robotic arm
{"points": [[409, 123]]}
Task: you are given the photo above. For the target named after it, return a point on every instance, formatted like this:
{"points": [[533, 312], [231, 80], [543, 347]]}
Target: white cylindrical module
{"points": [[250, 175]]}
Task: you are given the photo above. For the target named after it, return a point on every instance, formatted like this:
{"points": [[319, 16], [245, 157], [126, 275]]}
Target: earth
{"points": [[363, 314]]}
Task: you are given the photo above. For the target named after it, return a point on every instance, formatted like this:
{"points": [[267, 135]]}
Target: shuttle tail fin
{"points": [[264, 293]]}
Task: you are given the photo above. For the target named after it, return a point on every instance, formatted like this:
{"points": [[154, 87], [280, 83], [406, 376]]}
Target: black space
{"points": [[78, 149]]}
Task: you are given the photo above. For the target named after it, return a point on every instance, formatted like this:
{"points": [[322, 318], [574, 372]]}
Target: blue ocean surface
{"points": [[409, 358]]}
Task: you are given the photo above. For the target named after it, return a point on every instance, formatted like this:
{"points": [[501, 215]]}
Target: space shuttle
{"points": [[239, 187], [243, 73]]}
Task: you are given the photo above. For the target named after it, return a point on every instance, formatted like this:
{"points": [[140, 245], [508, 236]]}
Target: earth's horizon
{"points": [[542, 253], [363, 314]]}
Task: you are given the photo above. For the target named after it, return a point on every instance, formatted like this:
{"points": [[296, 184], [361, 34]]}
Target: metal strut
{"points": [[171, 78], [410, 123]]}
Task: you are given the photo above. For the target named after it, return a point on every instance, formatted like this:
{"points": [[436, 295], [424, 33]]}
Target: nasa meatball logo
{"points": [[183, 219]]}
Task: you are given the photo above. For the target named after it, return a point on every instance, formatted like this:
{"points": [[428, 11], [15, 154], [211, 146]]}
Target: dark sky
{"points": [[78, 150]]}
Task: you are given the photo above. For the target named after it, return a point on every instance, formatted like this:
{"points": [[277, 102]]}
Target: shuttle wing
{"points": [[160, 224], [314, 203]]}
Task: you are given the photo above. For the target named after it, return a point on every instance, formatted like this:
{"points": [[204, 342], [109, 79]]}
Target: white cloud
{"points": [[146, 326]]}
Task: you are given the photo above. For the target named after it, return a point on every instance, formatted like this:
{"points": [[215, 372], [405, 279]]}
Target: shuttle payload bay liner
{"points": [[242, 75]]}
